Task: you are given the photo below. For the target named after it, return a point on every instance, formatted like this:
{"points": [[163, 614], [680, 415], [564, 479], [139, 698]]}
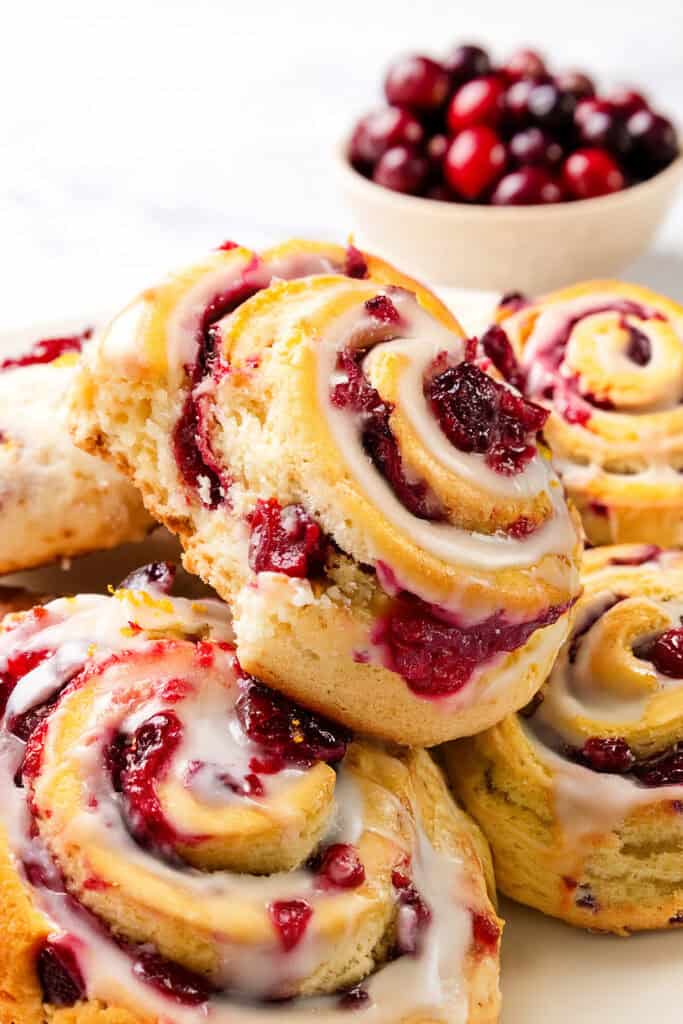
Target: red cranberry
{"points": [[174, 981], [485, 931], [534, 146], [382, 308], [575, 82], [476, 102], [665, 769], [586, 107], [341, 867], [355, 263], [381, 130], [604, 128], [59, 973], [666, 653], [47, 350], [591, 172], [654, 141], [402, 169], [527, 186], [474, 161], [525, 64], [639, 349], [497, 347], [416, 82], [290, 919], [626, 100], [466, 62], [158, 576], [551, 108], [608, 754], [414, 915], [516, 102], [285, 540]]}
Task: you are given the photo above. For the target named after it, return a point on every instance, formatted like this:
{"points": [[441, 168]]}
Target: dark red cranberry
{"points": [[435, 654], [476, 102], [441, 192], [588, 173], [174, 981], [47, 350], [666, 653], [575, 82], [586, 900], [485, 932], [639, 348], [585, 108], [402, 169], [608, 754], [475, 159], [626, 101], [285, 540], [466, 62], [478, 414], [516, 103], [355, 263], [665, 769], [290, 919], [604, 128], [525, 64], [341, 867], [267, 763], [497, 347], [155, 576], [534, 146], [381, 130], [527, 186], [190, 459], [354, 998], [654, 141], [551, 108], [250, 786], [381, 308], [60, 976], [417, 83], [287, 730], [414, 915]]}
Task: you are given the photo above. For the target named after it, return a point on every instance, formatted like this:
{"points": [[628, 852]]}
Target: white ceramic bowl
{"points": [[521, 248]]}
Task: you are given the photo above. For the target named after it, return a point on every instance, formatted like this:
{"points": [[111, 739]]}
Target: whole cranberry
{"points": [[626, 100], [528, 186], [474, 160], [416, 82], [603, 127], [476, 102], [666, 653], [465, 62], [378, 131], [550, 107], [585, 108], [525, 64], [402, 169], [591, 172], [534, 146], [575, 82], [653, 140], [516, 102]]}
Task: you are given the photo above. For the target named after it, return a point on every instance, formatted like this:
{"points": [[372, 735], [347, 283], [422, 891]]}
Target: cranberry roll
{"points": [[55, 500], [607, 359], [377, 509], [182, 843], [581, 793]]}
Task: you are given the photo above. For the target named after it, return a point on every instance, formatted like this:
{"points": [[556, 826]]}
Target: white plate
{"points": [[551, 974]]}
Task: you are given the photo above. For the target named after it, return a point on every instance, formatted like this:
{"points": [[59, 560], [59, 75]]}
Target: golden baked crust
{"points": [[266, 435], [158, 694], [578, 797], [611, 356]]}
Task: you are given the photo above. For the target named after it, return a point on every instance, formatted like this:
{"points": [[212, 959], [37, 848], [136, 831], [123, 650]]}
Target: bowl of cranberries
{"points": [[491, 176]]}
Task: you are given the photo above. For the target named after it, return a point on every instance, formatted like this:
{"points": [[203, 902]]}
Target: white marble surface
{"points": [[137, 133]]}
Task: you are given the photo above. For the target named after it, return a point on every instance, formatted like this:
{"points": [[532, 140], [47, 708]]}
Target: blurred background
{"points": [[137, 134]]}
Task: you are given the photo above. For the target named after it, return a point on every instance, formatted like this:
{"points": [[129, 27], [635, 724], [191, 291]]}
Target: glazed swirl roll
{"points": [[581, 793], [377, 508], [195, 846], [607, 358]]}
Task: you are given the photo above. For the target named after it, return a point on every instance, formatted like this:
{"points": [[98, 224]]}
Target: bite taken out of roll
{"points": [[376, 508], [180, 843], [607, 358], [581, 794]]}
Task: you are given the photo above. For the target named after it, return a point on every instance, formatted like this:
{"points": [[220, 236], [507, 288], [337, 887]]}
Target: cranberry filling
{"points": [[414, 915], [155, 576], [639, 349], [607, 754], [477, 414], [666, 653], [184, 986], [355, 264], [191, 463], [47, 350], [613, 755], [357, 394], [290, 919], [497, 347], [288, 731], [435, 654], [664, 769], [285, 540], [60, 976], [341, 867], [18, 665], [382, 308], [485, 932]]}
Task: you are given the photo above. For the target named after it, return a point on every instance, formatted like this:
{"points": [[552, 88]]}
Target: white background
{"points": [[136, 134]]}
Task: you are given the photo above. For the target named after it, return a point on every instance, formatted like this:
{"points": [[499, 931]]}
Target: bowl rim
{"points": [[386, 196]]}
